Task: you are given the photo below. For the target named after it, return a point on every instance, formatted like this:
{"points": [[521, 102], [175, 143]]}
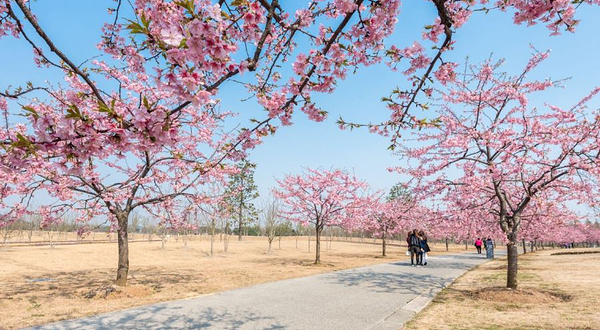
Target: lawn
{"points": [[555, 292]]}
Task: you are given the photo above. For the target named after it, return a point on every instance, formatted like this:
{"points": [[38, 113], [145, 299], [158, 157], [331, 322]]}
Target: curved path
{"points": [[374, 297]]}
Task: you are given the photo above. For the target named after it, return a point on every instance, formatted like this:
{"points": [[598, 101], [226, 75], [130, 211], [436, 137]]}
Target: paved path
{"points": [[374, 297]]}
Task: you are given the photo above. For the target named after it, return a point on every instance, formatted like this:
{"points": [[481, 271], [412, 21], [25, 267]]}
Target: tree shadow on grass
{"points": [[68, 284]]}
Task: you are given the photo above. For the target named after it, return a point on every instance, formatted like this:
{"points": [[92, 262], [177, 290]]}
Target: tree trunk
{"points": [[241, 212], [383, 245], [226, 237], [296, 241], [123, 266], [318, 244], [511, 275], [446, 245], [212, 241], [280, 242], [524, 247], [269, 250], [531, 246]]}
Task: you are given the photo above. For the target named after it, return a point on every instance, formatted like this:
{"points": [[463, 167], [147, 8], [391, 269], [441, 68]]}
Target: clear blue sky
{"points": [[75, 26]]}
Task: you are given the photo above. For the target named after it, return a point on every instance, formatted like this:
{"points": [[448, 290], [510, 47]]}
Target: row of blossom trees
{"points": [[326, 198], [493, 155]]}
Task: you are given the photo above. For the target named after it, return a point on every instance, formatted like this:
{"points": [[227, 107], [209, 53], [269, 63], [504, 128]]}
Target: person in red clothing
{"points": [[478, 244]]}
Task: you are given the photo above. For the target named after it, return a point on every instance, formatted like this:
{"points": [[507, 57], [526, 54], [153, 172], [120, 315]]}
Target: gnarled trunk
{"points": [[123, 264], [511, 275], [319, 229], [512, 251]]}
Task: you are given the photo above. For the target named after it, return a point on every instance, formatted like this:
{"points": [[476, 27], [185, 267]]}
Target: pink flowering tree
{"points": [[424, 65], [491, 150], [321, 198], [139, 125], [145, 109], [390, 215]]}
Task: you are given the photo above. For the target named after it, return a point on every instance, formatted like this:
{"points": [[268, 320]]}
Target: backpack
{"points": [[414, 240]]}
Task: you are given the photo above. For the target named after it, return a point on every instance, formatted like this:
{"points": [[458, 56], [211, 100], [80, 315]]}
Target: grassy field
{"points": [[40, 284], [556, 292]]}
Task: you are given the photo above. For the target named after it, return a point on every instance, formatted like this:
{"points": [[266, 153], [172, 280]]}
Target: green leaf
{"points": [[135, 28], [31, 111], [145, 21], [103, 108], [73, 112], [238, 2], [187, 5]]}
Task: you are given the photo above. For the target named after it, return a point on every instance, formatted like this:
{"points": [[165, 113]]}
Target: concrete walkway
{"points": [[382, 296]]}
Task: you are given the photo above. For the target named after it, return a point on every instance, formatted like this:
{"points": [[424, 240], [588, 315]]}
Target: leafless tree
{"points": [[271, 220]]}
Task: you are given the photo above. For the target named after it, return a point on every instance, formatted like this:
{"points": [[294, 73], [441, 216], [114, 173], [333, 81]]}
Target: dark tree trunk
{"points": [[524, 247], [447, 245], [123, 266], [383, 245], [319, 229], [531, 246], [511, 275]]}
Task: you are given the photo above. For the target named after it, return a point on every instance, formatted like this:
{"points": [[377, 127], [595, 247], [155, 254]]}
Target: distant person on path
{"points": [[414, 247], [424, 248], [489, 247], [478, 244]]}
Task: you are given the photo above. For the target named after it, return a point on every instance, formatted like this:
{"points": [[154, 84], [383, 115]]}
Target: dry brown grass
{"points": [[555, 292], [82, 275]]}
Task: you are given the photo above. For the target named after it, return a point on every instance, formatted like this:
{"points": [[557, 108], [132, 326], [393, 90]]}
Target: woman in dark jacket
{"points": [[424, 248]]}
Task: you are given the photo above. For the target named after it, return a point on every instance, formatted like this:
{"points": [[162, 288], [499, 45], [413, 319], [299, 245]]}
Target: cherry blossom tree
{"points": [[321, 198], [490, 149], [146, 108], [423, 62], [390, 215]]}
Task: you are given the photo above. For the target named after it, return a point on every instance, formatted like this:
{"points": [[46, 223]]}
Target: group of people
{"points": [[488, 244], [417, 247]]}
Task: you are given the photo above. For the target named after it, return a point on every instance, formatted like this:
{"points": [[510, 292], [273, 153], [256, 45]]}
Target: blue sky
{"points": [[75, 26]]}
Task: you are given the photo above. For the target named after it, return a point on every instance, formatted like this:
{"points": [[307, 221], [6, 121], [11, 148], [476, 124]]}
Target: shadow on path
{"points": [[162, 317]]}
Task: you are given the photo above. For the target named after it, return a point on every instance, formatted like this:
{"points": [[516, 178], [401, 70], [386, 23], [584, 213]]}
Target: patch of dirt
{"points": [[116, 292], [524, 296], [131, 291]]}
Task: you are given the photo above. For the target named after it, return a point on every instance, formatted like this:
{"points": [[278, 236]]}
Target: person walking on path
{"points": [[478, 244], [414, 247], [489, 248], [424, 248]]}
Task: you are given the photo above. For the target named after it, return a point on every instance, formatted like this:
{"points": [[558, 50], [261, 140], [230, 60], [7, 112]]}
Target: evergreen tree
{"points": [[242, 192], [399, 192]]}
